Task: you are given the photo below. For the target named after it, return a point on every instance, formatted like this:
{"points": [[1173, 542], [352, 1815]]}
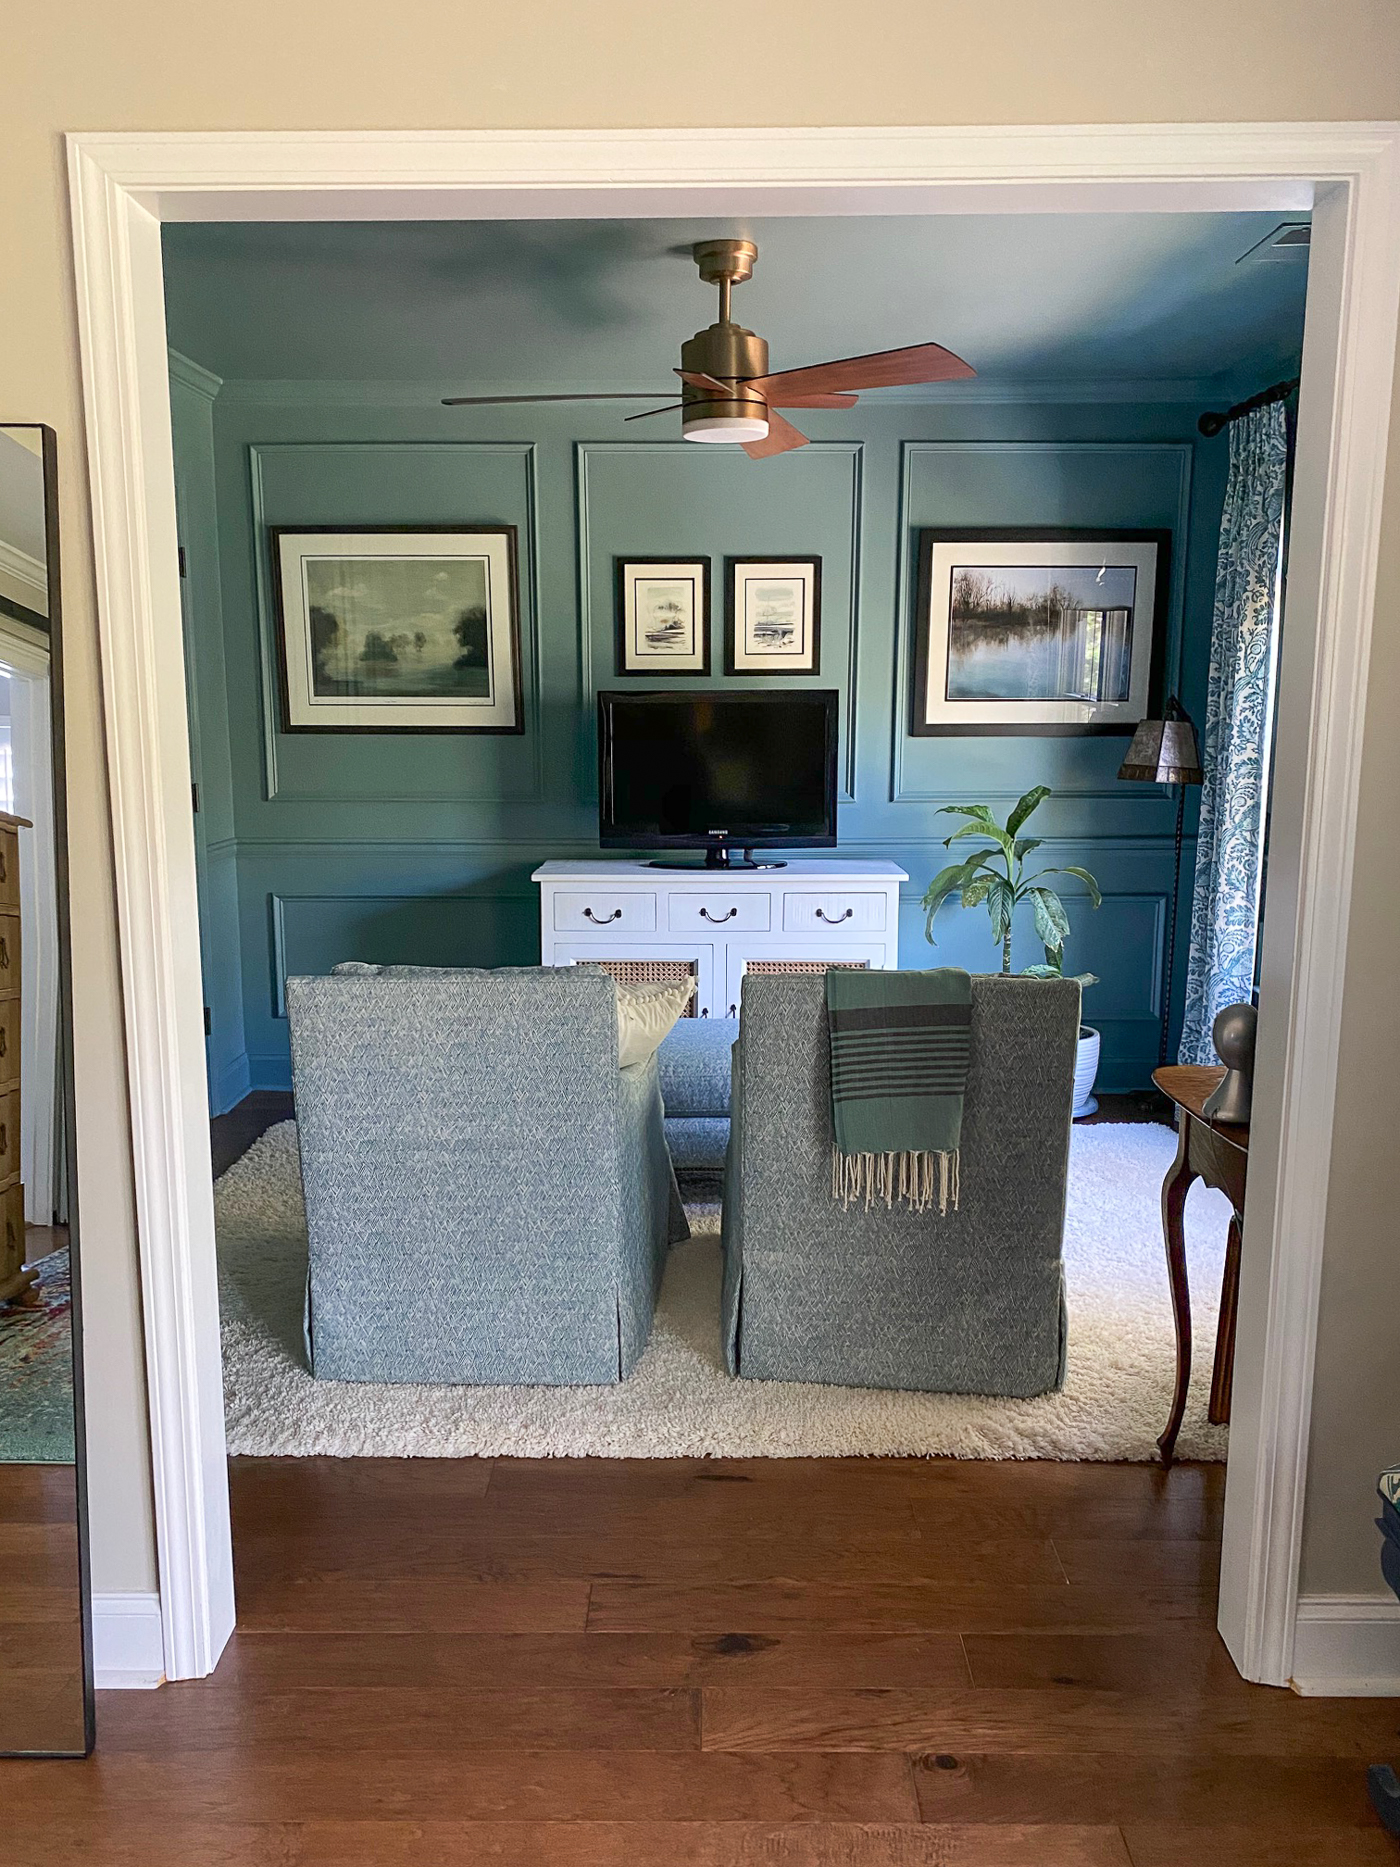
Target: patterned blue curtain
{"points": [[1239, 722]]}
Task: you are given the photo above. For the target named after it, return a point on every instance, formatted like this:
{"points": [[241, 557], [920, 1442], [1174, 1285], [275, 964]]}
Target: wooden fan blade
{"points": [[795, 399], [781, 438], [590, 395], [699, 380], [884, 369], [647, 413]]}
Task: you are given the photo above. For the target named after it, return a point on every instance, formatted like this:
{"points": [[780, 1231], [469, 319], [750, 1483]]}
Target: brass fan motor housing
{"points": [[726, 351]]}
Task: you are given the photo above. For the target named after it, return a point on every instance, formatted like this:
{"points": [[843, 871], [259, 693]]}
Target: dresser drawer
{"points": [[740, 913], [621, 911], [9, 1136], [853, 912], [9, 955], [9, 1042], [11, 1231], [9, 870]]}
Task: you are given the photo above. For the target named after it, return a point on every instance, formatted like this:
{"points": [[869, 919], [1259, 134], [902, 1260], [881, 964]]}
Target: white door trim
{"points": [[122, 185]]}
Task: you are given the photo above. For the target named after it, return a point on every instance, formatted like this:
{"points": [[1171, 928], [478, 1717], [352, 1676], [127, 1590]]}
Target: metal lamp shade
{"points": [[1164, 752]]}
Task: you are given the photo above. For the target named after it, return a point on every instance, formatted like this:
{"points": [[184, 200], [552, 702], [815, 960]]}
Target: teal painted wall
{"points": [[421, 848]]}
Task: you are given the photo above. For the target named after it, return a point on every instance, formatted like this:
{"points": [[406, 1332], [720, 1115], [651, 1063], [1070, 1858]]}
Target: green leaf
{"points": [[980, 811], [992, 830], [1031, 801], [1025, 844], [975, 892], [1051, 921], [1080, 875], [1001, 904], [946, 882], [1047, 971]]}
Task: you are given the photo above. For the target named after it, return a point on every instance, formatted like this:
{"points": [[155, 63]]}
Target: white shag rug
{"points": [[680, 1403]]}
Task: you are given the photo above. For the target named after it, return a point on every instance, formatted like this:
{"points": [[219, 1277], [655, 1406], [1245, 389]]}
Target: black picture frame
{"points": [[275, 533], [931, 536], [658, 669], [731, 618]]}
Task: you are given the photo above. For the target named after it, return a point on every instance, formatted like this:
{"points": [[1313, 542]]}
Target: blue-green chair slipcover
{"points": [[488, 1196], [970, 1302]]}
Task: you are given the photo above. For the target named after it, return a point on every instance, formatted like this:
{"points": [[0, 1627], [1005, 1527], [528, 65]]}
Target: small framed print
{"points": [[773, 616], [397, 629], [663, 616], [1039, 630]]}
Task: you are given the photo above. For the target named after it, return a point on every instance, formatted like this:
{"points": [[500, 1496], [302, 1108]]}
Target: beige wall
{"points": [[608, 63]]}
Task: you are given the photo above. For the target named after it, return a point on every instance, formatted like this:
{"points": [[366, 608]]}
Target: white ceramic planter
{"points": [[1086, 1068]]}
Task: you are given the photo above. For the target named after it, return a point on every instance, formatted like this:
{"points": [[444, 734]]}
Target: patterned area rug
{"points": [[680, 1403], [36, 1371]]}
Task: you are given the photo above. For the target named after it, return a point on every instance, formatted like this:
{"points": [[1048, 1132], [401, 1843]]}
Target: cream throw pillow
{"points": [[645, 1013]]}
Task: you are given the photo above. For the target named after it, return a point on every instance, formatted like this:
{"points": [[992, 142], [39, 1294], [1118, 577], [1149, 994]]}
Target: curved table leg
{"points": [[1174, 1191], [1222, 1378]]}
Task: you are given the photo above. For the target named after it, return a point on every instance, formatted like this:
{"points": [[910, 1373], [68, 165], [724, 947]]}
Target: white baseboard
{"points": [[1347, 1646], [128, 1646]]}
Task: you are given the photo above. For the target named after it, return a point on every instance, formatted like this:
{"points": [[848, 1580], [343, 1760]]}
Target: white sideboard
{"points": [[717, 923]]}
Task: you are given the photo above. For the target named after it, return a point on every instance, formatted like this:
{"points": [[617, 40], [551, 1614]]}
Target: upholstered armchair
{"points": [[968, 1302], [488, 1196]]}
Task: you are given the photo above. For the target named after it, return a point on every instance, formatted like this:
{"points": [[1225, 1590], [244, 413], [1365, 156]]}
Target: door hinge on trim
{"points": [[208, 1022], [184, 569]]}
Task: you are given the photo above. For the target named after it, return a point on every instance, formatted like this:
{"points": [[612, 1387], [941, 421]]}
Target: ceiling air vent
{"points": [[1287, 242]]}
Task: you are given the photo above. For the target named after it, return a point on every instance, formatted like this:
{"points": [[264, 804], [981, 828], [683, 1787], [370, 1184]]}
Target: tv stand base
{"points": [[719, 858]]}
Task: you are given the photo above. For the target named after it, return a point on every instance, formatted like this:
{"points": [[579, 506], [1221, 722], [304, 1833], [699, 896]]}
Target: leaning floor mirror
{"points": [[46, 1701]]}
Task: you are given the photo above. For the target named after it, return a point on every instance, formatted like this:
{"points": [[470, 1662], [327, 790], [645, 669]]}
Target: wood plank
{"points": [[446, 1604], [1190, 1657], [630, 1552], [259, 1662], [896, 1607], [228, 1785], [1246, 1847], [1099, 1561], [1269, 1723], [1266, 1795], [703, 1844], [419, 1718], [173, 1842]]}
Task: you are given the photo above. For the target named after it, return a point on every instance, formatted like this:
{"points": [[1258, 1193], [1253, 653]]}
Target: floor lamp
{"points": [[1165, 751]]}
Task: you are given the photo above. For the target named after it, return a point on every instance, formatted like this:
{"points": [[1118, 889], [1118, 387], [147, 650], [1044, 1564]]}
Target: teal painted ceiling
{"points": [[497, 305]]}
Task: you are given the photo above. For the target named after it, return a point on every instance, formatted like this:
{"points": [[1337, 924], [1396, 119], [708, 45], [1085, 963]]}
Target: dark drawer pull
{"points": [[834, 920], [3, 875], [718, 919], [4, 1041], [589, 915], [4, 954]]}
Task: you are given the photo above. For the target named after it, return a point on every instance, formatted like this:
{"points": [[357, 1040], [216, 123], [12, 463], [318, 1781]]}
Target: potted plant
{"points": [[995, 877]]}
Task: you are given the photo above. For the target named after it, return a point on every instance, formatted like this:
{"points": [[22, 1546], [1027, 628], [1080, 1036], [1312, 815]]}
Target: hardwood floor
{"points": [[845, 1663]]}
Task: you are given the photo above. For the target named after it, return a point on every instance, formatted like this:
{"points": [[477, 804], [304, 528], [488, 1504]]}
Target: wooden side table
{"points": [[1218, 1153]]}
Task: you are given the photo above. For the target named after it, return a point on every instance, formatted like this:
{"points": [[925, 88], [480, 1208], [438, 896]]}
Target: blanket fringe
{"points": [[915, 1178]]}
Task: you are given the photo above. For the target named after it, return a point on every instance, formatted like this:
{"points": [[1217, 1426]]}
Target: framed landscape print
{"points": [[773, 616], [663, 616], [387, 629], [1039, 630]]}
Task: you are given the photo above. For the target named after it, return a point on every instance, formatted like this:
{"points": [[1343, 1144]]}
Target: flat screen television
{"points": [[721, 772]]}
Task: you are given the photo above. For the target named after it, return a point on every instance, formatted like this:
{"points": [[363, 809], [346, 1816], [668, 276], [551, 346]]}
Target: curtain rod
{"points": [[1211, 424]]}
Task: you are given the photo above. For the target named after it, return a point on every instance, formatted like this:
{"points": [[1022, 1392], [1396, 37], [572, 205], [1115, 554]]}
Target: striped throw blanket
{"points": [[899, 1055]]}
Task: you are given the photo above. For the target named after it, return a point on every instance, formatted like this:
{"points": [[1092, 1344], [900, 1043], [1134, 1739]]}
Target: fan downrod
{"points": [[725, 263]]}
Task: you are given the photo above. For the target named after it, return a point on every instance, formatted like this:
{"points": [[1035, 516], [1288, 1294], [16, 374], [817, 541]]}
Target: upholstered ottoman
{"points": [[694, 1064]]}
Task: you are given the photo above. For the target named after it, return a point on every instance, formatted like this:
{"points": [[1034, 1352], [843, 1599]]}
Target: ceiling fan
{"points": [[727, 393]]}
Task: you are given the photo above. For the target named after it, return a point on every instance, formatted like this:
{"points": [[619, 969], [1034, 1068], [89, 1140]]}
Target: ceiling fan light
{"points": [[735, 428]]}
